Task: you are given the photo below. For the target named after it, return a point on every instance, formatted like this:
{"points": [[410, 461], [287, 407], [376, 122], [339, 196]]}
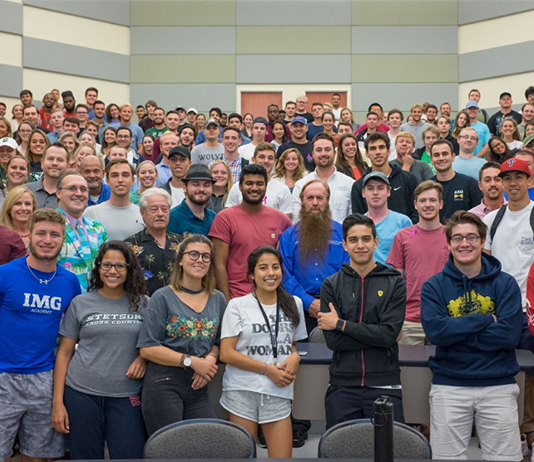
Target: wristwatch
{"points": [[339, 324], [186, 361]]}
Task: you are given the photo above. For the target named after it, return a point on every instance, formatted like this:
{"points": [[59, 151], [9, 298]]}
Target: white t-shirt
{"points": [[178, 195], [120, 222], [247, 151], [513, 244], [244, 319], [277, 196], [340, 191]]}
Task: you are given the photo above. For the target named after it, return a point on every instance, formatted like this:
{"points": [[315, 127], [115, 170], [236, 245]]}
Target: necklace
{"points": [[192, 292], [41, 281]]}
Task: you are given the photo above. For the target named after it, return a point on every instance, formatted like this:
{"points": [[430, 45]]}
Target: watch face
{"points": [[187, 362]]}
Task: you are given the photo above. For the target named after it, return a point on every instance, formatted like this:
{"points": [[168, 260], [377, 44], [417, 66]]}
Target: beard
{"points": [[315, 230]]}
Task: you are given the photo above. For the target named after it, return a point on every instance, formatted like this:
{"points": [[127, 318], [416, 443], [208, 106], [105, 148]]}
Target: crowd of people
{"points": [[157, 248]]}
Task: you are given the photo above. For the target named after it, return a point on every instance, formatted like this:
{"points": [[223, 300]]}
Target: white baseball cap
{"points": [[8, 142]]}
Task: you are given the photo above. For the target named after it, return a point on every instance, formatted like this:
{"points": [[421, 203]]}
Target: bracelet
{"points": [[265, 371]]}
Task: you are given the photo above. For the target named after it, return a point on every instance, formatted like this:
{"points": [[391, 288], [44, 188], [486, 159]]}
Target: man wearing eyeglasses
{"points": [[472, 312], [465, 162], [83, 235], [155, 247], [53, 163]]}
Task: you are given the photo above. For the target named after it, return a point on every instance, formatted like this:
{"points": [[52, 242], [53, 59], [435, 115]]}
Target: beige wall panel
{"points": [[10, 102], [41, 82], [404, 68], [74, 30], [183, 13], [183, 69], [494, 33], [404, 12], [490, 89], [289, 40], [11, 53]]}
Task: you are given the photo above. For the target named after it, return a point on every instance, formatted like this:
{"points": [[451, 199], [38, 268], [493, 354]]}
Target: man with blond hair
{"points": [[126, 114], [404, 146]]}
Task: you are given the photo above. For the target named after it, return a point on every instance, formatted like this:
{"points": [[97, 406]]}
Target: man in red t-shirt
{"points": [[419, 252], [238, 230]]}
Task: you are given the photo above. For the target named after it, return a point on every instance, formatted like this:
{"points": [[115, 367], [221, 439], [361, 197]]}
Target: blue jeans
{"points": [[168, 397], [96, 419]]}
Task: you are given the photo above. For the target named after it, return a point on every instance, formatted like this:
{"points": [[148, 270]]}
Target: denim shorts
{"points": [[256, 407]]}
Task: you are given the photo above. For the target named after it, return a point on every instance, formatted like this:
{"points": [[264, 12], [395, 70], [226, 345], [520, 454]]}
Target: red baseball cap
{"points": [[514, 165]]}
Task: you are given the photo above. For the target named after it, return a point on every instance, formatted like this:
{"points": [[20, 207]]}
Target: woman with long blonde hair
{"points": [[290, 168]]}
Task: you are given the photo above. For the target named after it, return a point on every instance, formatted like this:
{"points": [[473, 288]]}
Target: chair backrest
{"points": [[355, 439], [316, 336], [201, 439]]}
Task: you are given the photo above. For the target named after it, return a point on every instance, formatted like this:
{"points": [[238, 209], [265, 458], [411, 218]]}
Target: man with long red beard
{"points": [[312, 249]]}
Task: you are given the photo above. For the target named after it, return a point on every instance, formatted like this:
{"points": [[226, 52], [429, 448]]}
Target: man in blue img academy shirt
{"points": [[34, 293]]}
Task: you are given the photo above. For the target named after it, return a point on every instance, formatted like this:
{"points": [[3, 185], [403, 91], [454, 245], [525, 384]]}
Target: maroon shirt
{"points": [[11, 245]]}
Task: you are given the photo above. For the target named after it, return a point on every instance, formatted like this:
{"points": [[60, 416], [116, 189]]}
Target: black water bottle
{"points": [[383, 422]]}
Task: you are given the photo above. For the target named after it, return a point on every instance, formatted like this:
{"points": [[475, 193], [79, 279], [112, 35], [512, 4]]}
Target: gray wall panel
{"points": [[112, 11], [402, 96], [10, 17], [293, 13], [496, 62], [169, 40], [294, 69], [202, 97], [470, 11], [404, 39], [69, 59], [11, 78]]}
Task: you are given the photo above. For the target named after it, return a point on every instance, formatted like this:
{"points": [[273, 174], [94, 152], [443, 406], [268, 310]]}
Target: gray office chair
{"points": [[355, 439], [201, 439], [316, 336]]}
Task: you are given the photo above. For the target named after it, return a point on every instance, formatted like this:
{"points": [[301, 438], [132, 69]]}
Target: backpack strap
{"points": [[498, 219]]}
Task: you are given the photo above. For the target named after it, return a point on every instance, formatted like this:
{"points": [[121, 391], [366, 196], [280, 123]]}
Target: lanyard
{"points": [[273, 335]]}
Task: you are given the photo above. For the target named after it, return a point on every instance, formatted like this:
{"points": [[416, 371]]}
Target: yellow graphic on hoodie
{"points": [[470, 303]]}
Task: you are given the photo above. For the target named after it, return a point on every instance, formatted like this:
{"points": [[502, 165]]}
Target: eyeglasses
{"points": [[120, 267], [194, 256], [82, 189], [467, 137], [471, 238]]}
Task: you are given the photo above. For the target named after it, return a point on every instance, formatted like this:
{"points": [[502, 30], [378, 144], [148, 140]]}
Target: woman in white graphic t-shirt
{"points": [[258, 344]]}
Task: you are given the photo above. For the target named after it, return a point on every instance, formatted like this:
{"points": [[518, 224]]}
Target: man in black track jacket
{"points": [[362, 312]]}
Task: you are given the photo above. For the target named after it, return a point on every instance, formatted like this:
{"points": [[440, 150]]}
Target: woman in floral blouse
{"points": [[180, 339]]}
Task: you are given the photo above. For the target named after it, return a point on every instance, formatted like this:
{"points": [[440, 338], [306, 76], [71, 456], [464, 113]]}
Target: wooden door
{"points": [[257, 102]]}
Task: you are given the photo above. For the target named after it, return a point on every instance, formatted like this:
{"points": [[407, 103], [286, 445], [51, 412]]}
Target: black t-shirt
{"points": [[306, 115], [495, 121], [304, 149], [459, 193]]}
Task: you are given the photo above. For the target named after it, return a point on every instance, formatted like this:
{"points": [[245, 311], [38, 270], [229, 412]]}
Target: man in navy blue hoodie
{"points": [[472, 312], [362, 312]]}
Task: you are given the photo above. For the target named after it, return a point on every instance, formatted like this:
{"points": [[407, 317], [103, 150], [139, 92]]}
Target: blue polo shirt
{"points": [[105, 194], [183, 221]]}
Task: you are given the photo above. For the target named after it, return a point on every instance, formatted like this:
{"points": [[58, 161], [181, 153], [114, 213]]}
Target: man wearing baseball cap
{"points": [[472, 108], [8, 149], [512, 242], [192, 216], [495, 121], [299, 129], [179, 159], [210, 149]]}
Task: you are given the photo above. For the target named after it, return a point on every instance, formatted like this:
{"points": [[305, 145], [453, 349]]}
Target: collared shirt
{"points": [[156, 262], [164, 174], [105, 194], [340, 194], [481, 210], [184, 221], [44, 198], [304, 280], [83, 238], [235, 167]]}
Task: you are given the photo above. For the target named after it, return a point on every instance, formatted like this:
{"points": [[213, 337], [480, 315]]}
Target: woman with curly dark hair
{"points": [[96, 390], [498, 150], [180, 339]]}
